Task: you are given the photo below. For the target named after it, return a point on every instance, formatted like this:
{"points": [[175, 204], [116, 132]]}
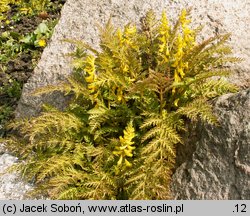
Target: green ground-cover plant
{"points": [[39, 37], [130, 103], [13, 43]]}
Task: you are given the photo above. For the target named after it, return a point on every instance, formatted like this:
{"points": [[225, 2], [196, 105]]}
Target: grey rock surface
{"points": [[79, 19], [11, 185], [219, 167]]}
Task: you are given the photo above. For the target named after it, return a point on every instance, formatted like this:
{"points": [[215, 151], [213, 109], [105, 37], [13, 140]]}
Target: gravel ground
{"points": [[11, 187]]}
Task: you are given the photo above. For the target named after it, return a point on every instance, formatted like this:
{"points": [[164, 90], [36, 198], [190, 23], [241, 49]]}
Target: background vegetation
{"points": [[26, 27]]}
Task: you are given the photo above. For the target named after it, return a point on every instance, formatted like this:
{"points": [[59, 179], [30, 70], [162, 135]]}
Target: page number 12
{"points": [[240, 208]]}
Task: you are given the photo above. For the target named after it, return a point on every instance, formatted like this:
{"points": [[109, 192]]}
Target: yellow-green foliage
{"points": [[5, 4], [24, 6], [117, 138]]}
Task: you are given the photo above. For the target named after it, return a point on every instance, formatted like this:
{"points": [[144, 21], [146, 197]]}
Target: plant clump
{"points": [[131, 102]]}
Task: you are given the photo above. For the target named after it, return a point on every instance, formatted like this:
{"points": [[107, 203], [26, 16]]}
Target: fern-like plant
{"points": [[131, 99]]}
